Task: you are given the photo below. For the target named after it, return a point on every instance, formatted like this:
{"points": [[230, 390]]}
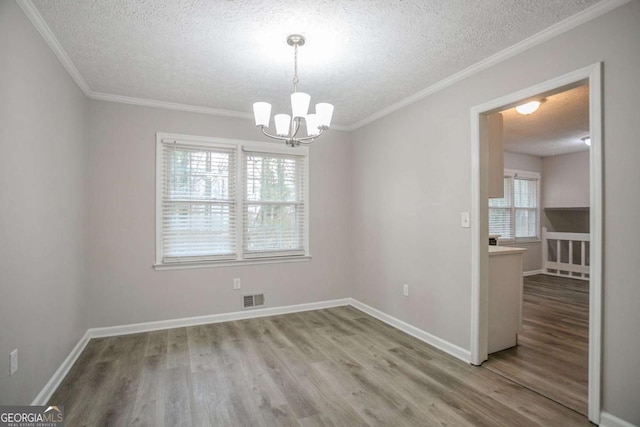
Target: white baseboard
{"points": [[51, 386], [135, 328], [45, 394], [446, 346], [608, 420], [532, 272]]}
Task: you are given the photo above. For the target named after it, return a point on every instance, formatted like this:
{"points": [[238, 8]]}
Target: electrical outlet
{"points": [[405, 290], [236, 283], [14, 361]]}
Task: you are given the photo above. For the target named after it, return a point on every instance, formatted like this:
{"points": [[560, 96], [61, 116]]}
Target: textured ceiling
{"points": [[361, 55], [556, 128]]}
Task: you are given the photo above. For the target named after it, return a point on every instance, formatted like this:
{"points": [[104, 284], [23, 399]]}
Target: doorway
{"points": [[480, 289]]}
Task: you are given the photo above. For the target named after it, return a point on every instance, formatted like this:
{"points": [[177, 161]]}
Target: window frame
{"points": [[513, 174], [239, 146]]}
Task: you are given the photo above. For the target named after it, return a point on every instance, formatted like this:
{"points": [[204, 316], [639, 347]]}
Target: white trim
{"points": [[38, 21], [437, 342], [518, 242], [232, 263], [207, 141], [121, 99], [158, 200], [54, 382], [517, 173], [532, 273], [596, 185], [578, 237], [609, 420], [479, 285], [136, 328], [548, 33]]}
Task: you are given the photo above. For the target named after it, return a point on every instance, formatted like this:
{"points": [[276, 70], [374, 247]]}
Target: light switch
{"points": [[465, 220]]}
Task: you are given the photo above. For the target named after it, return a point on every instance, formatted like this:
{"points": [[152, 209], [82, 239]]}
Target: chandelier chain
{"points": [[295, 68]]}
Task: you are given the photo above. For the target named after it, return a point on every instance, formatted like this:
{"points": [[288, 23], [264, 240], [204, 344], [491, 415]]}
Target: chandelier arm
{"points": [[280, 138], [306, 142], [310, 138]]}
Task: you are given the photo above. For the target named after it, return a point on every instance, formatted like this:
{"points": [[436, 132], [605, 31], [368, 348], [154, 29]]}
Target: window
{"points": [[225, 201], [273, 205], [516, 216]]}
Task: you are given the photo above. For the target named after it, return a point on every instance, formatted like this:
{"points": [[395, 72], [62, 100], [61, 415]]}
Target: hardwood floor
{"points": [[552, 355], [334, 367]]}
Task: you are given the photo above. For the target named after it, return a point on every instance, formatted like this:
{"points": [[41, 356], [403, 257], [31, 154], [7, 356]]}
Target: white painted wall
{"points": [[411, 180], [532, 260], [566, 180], [43, 216], [125, 288]]}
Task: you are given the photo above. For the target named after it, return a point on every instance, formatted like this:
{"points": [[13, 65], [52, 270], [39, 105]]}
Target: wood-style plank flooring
{"points": [[552, 355], [333, 367]]}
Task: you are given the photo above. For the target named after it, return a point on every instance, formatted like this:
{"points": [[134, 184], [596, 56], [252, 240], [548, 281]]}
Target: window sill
{"points": [[232, 263], [517, 242]]}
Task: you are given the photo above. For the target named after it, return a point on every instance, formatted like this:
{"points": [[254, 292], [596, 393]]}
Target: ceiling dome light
{"points": [[586, 140], [528, 108]]}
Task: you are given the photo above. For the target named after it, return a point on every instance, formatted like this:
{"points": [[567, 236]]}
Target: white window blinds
{"points": [[198, 203], [500, 212], [222, 201], [525, 203], [516, 215], [274, 204]]}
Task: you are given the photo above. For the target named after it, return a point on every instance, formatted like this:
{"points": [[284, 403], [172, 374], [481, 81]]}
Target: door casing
{"points": [[591, 75]]}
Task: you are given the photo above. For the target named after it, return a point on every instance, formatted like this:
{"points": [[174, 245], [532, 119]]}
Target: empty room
{"points": [[334, 213]]}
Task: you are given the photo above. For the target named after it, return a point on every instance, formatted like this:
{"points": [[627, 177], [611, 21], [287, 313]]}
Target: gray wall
{"points": [[125, 288], [566, 180], [533, 257], [405, 189], [43, 220], [411, 180], [523, 162]]}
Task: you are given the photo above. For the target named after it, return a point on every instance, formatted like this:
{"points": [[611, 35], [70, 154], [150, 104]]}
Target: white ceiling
{"points": [[361, 55], [556, 128]]}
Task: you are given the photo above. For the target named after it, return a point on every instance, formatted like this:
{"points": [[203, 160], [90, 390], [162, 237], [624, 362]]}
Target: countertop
{"points": [[504, 250]]}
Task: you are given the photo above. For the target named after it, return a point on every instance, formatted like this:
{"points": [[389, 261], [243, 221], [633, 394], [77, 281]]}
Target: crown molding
{"points": [[179, 107], [167, 105], [563, 26], [37, 20]]}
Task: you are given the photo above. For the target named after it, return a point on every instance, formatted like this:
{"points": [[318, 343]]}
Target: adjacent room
{"points": [[540, 213], [220, 213]]}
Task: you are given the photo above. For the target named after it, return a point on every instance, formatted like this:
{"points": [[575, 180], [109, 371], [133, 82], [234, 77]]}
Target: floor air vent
{"points": [[251, 301]]}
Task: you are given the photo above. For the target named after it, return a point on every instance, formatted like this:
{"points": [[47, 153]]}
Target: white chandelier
{"points": [[286, 128]]}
